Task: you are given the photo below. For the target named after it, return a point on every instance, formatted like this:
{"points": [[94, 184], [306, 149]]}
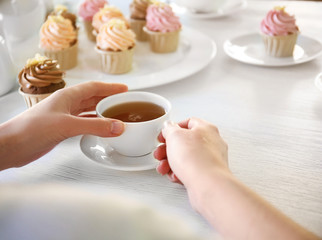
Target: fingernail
{"points": [[117, 127]]}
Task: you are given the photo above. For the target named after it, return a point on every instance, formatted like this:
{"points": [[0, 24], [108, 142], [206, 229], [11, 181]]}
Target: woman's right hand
{"points": [[192, 149]]}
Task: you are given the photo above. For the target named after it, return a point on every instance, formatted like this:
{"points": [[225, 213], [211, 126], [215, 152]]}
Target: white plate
{"points": [[249, 49], [149, 69], [228, 8], [91, 146]]}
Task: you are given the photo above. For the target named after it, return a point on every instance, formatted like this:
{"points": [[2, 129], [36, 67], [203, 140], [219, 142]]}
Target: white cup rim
{"points": [[167, 102]]}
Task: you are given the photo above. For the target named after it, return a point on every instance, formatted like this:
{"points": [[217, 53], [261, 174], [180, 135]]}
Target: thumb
{"points": [[102, 127], [169, 128]]}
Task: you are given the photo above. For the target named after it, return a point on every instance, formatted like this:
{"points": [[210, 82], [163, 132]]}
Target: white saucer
{"points": [[228, 8], [91, 146], [318, 81], [249, 49]]}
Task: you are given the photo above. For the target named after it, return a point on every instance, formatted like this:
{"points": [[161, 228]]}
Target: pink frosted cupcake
{"points": [[86, 11], [279, 33], [58, 40], [162, 27], [115, 44], [104, 15], [138, 10]]}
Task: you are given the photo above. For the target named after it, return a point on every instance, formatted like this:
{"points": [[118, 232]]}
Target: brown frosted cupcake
{"points": [[115, 44], [39, 78], [137, 18], [162, 27], [58, 40]]}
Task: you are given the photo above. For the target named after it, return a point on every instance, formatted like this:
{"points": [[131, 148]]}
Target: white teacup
{"points": [[138, 138], [200, 6]]}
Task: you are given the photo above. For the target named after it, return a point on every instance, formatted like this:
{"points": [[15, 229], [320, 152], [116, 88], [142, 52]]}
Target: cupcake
{"points": [[106, 14], [162, 27], [137, 18], [58, 40], [39, 78], [86, 11], [61, 10], [279, 33], [115, 44]]}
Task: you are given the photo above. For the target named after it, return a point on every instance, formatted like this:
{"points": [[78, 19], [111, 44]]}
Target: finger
{"points": [[161, 138], [190, 123], [88, 104], [160, 153], [173, 178], [93, 88], [163, 167], [169, 127], [103, 127]]}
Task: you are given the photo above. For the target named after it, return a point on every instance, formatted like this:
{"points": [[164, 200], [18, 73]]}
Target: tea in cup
{"points": [[144, 115]]}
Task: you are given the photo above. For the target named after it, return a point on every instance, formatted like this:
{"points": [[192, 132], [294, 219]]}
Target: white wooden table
{"points": [[271, 119]]}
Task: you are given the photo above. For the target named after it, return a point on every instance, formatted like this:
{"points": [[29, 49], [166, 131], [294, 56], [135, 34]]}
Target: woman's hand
{"points": [[192, 147], [56, 118]]}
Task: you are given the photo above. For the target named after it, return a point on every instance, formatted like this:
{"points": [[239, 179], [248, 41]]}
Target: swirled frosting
{"points": [[277, 22], [62, 10], [138, 9], [40, 72], [57, 33], [89, 7], [115, 36], [106, 14], [160, 18]]}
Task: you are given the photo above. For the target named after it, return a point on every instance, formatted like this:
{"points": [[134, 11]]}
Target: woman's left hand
{"points": [[36, 131]]}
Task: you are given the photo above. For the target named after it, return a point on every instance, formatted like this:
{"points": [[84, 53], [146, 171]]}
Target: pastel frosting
{"points": [[40, 72], [115, 36], [57, 33], [62, 10], [88, 8], [277, 22], [138, 9], [161, 18], [106, 14]]}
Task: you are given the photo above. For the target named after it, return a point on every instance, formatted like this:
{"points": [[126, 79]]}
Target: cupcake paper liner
{"points": [[32, 99], [163, 42], [279, 46], [89, 30], [116, 62], [137, 27], [67, 58]]}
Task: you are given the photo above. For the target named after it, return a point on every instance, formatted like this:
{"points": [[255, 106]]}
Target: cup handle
{"points": [[318, 81]]}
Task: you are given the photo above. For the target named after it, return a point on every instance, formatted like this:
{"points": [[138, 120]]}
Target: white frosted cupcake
{"points": [[58, 40], [106, 14], [279, 33], [115, 44], [162, 27]]}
